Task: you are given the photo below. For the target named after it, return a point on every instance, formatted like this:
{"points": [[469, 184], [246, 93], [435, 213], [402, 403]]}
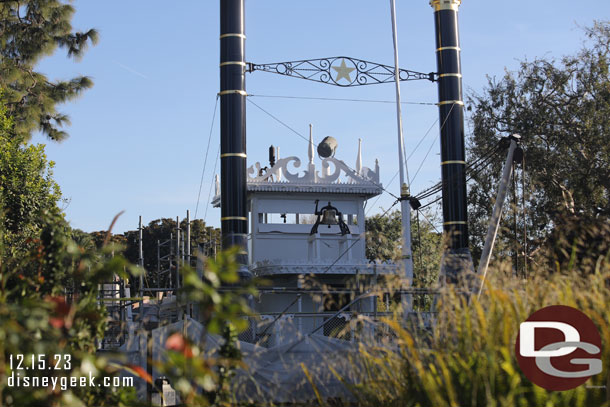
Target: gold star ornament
{"points": [[343, 72]]}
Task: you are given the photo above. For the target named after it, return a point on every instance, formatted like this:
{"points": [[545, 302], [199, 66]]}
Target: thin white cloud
{"points": [[133, 71]]}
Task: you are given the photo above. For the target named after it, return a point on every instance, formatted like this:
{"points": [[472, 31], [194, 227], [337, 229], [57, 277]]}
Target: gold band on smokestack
{"points": [[445, 4]]}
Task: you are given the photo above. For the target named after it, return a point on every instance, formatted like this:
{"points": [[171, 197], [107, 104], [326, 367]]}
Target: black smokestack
{"points": [[234, 211], [451, 113]]}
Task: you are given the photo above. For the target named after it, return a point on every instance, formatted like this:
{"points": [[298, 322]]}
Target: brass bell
{"points": [[329, 217]]}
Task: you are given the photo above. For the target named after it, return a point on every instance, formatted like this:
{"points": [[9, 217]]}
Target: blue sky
{"points": [[138, 138]]}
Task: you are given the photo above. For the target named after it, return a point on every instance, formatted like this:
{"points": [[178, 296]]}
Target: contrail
{"points": [[133, 71]]}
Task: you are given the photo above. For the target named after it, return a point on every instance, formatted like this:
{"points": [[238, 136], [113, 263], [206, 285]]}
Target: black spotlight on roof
{"points": [[272, 156], [329, 215], [327, 147]]}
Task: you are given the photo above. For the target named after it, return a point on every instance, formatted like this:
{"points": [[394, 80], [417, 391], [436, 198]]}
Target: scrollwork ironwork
{"points": [[349, 71], [311, 175]]}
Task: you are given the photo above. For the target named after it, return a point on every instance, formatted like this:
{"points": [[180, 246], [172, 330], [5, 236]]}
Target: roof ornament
{"points": [[359, 158], [332, 171], [310, 151]]}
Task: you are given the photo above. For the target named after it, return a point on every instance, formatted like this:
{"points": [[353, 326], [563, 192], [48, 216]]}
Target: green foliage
{"points": [[49, 276], [28, 192], [49, 306], [466, 358], [201, 376], [575, 245], [29, 31], [383, 236], [561, 108], [216, 308]]}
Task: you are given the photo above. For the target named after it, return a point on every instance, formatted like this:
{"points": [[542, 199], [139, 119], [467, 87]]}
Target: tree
{"points": [[561, 109], [42, 261], [383, 236], [27, 190], [29, 31], [49, 306]]}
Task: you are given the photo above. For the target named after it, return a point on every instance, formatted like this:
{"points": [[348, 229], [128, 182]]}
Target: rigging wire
{"points": [[307, 140], [424, 159], [430, 149], [415, 149], [410, 155], [341, 99], [358, 100], [475, 168], [211, 183], [205, 161], [431, 202], [279, 121], [421, 264], [472, 170], [379, 197], [428, 219], [423, 138], [360, 236], [262, 335]]}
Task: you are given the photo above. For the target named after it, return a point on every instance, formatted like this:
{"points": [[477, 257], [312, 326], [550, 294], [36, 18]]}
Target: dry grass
{"points": [[467, 357]]}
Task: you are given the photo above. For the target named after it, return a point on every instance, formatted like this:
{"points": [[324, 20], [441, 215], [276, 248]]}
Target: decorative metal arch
{"points": [[349, 71]]}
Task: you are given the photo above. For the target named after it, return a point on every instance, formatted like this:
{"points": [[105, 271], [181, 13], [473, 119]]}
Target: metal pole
{"points": [[496, 214], [515, 223], [188, 237], [177, 252], [524, 217], [234, 211], [141, 264], [456, 257], [178, 267], [171, 259], [405, 208]]}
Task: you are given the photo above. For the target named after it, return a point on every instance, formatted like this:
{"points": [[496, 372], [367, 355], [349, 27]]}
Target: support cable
{"points": [[307, 140], [205, 161], [211, 184], [434, 142], [341, 99], [429, 221], [360, 236], [298, 297], [472, 170]]}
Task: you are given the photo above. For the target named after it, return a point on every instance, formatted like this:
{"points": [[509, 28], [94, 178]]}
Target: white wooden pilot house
{"points": [[307, 239]]}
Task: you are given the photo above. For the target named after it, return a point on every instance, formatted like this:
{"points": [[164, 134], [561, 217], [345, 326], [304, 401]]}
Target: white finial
{"points": [[359, 158], [311, 149], [217, 183]]}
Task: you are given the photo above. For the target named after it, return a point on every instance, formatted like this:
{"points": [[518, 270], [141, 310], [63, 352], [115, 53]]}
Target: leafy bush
{"points": [[49, 306]]}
